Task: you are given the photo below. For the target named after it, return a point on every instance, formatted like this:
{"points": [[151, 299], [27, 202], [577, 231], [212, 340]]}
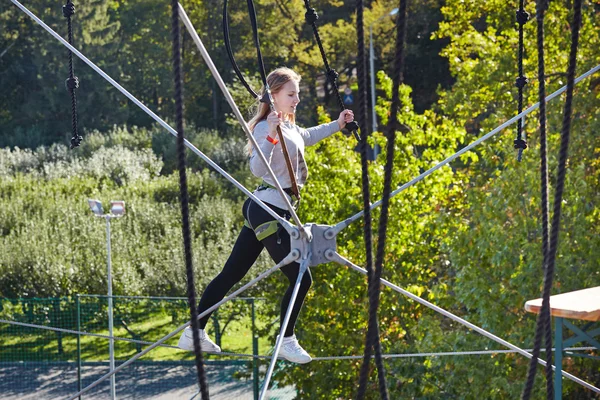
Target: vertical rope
{"points": [[393, 125], [72, 83], [544, 318], [522, 17], [311, 17], [187, 242], [269, 100], [372, 338]]}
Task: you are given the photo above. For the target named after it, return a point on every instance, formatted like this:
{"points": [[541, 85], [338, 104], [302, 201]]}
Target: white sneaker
{"points": [[186, 341], [292, 351]]}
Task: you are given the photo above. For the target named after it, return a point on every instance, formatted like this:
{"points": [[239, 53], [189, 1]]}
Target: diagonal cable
{"points": [[242, 122], [345, 223], [336, 257], [294, 254], [288, 227], [267, 98]]}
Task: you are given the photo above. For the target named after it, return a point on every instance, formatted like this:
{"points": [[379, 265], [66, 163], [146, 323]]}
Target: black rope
{"points": [[261, 64], [520, 143], [72, 83], [227, 39], [543, 318], [187, 242], [268, 99], [311, 17], [392, 127], [372, 341], [558, 194]]}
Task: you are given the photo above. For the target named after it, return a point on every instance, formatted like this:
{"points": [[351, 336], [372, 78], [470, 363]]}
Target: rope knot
{"points": [[522, 17], [72, 83], [521, 82], [332, 75], [352, 126], [68, 10], [520, 144], [76, 141], [311, 16]]}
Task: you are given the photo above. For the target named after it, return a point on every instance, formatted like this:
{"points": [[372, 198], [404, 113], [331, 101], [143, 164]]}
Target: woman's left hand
{"points": [[345, 117]]}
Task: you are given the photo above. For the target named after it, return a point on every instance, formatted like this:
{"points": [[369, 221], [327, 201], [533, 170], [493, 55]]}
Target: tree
{"points": [[36, 104]]}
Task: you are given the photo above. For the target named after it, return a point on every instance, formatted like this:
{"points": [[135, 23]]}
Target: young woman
{"points": [[284, 84]]}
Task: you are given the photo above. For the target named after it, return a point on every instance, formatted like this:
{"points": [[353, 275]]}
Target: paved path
{"points": [[155, 381]]}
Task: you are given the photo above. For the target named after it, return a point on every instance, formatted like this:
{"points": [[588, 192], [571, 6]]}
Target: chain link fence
{"points": [[38, 364]]}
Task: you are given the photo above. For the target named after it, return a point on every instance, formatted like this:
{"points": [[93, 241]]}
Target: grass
{"points": [[27, 344]]}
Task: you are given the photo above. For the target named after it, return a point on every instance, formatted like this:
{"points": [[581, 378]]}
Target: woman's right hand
{"points": [[274, 119]]}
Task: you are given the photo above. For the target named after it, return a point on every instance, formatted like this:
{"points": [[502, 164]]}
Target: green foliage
{"points": [[51, 244], [467, 238], [336, 307]]}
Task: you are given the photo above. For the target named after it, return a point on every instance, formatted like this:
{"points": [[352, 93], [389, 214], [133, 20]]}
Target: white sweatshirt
{"points": [[296, 139]]}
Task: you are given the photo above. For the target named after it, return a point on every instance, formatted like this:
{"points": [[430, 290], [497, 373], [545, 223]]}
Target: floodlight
{"points": [[117, 207], [96, 206]]}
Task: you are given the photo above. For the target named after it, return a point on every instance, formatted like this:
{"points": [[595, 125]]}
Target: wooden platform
{"points": [[581, 304]]}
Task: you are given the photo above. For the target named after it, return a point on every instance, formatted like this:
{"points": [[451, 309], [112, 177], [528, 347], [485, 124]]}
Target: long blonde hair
{"points": [[276, 80]]}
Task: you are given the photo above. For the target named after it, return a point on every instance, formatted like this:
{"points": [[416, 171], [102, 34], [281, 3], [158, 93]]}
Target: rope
{"points": [[544, 318], [522, 17], [227, 40], [336, 257], [393, 124], [267, 357], [254, 23], [372, 341], [268, 99], [187, 242], [311, 17], [72, 83], [345, 223]]}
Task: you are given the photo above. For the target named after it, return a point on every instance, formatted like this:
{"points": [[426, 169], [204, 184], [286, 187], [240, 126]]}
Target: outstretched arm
{"points": [[315, 134]]}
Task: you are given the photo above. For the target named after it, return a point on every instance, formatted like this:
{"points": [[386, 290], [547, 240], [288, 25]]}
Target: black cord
{"points": [[311, 17], [520, 143], [227, 40], [253, 22], [183, 193], [72, 83], [544, 318], [372, 341]]}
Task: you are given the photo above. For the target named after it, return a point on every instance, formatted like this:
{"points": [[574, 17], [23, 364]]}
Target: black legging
{"points": [[246, 250]]}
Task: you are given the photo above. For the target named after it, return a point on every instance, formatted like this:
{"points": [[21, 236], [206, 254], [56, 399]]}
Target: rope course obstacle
{"points": [[72, 83], [313, 244]]}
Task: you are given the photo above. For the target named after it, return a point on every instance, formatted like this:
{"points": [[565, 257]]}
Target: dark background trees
{"points": [[467, 238]]}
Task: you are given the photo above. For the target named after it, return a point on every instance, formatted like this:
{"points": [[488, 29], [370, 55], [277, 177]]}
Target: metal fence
{"points": [[44, 364]]}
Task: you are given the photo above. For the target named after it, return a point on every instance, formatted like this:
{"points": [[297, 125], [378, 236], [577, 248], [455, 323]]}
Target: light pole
{"points": [[372, 72], [117, 210]]}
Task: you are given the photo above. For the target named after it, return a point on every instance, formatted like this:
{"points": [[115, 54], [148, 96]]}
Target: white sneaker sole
{"points": [[283, 356], [188, 345]]}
